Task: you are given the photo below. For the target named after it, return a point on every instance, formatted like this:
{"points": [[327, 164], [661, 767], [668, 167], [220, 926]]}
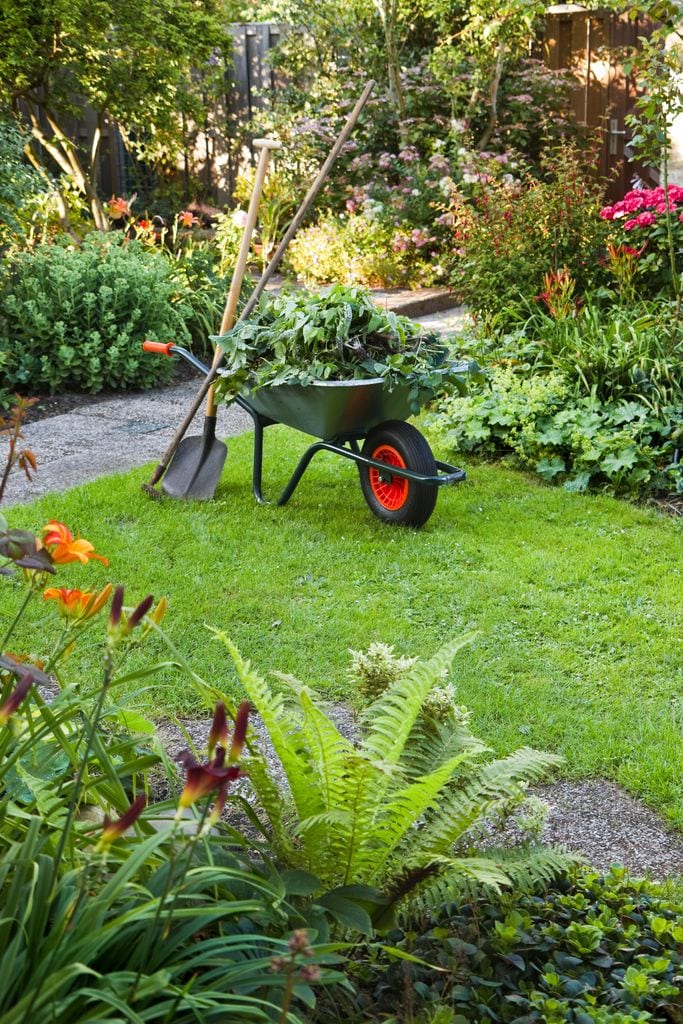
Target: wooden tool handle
{"points": [[266, 146], [266, 276]]}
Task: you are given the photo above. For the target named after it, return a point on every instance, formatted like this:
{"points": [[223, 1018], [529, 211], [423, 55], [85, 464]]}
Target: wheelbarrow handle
{"points": [[161, 348]]}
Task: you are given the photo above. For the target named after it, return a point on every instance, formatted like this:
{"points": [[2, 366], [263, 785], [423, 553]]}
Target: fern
{"points": [[522, 867], [391, 718], [389, 811]]}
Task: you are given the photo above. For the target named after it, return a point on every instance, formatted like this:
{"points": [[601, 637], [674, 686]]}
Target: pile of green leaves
{"points": [[604, 950], [339, 334]]}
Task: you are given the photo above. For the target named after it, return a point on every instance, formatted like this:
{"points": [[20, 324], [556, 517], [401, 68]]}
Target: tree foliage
{"points": [[130, 61]]}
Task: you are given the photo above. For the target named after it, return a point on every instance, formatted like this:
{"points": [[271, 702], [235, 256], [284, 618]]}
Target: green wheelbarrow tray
{"points": [[332, 408], [399, 475]]}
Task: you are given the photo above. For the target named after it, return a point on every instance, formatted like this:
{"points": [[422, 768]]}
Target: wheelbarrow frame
{"points": [[344, 443]]}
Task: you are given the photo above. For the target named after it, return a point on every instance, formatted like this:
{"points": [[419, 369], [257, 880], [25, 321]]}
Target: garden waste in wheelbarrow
{"points": [[399, 475]]}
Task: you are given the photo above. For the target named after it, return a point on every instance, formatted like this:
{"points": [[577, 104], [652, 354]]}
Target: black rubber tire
{"points": [[420, 499]]}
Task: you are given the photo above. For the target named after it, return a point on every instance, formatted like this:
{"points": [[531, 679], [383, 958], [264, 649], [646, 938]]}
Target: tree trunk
{"points": [[387, 14], [493, 97], [63, 152]]}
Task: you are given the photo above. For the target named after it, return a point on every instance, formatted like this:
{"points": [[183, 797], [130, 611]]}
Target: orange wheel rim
{"points": [[391, 493]]}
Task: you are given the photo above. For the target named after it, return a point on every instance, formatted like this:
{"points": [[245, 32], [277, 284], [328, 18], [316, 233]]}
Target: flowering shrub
{"points": [[356, 250], [510, 235], [395, 228], [648, 222]]}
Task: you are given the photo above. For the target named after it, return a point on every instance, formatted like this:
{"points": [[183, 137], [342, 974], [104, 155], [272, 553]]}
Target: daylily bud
{"points": [[240, 733], [113, 830], [116, 608], [15, 698], [219, 728], [139, 613]]}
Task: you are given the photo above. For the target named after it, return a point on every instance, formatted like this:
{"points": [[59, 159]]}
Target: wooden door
{"points": [[592, 44]]}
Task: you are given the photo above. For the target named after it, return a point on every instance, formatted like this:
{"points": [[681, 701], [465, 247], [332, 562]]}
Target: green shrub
{"points": [[78, 317], [511, 235], [590, 951], [611, 353], [576, 441]]}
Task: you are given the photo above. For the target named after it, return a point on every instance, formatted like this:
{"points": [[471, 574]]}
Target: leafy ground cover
{"points": [[576, 599]]}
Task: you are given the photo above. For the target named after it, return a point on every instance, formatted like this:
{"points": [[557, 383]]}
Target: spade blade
{"points": [[196, 467]]}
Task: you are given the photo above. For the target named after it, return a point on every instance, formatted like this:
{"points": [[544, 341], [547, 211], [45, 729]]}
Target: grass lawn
{"points": [[578, 600]]}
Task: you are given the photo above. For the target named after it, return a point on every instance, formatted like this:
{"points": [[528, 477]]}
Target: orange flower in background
{"points": [[186, 219], [118, 207], [64, 548], [78, 604]]}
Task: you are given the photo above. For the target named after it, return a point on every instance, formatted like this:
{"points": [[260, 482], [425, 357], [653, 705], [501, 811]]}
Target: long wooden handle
{"points": [[266, 146], [267, 274]]}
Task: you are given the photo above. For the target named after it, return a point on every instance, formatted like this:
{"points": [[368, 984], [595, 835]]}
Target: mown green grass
{"points": [[578, 601]]}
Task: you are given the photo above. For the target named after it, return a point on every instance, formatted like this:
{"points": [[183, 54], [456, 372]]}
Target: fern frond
{"points": [[391, 718], [283, 730], [466, 805], [271, 801], [527, 868], [328, 820], [329, 750], [431, 743], [406, 807]]}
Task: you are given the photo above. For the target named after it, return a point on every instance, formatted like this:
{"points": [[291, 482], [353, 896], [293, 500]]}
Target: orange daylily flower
{"points": [[186, 218], [78, 604], [65, 548]]}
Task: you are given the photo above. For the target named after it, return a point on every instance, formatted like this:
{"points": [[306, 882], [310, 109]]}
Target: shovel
{"points": [[198, 463]]}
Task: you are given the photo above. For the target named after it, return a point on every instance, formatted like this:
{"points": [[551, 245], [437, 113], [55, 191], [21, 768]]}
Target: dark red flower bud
{"points": [[116, 608], [219, 728], [139, 613], [240, 733], [113, 830], [15, 698]]}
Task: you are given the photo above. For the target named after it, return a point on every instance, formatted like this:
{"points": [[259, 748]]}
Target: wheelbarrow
{"points": [[399, 475]]}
